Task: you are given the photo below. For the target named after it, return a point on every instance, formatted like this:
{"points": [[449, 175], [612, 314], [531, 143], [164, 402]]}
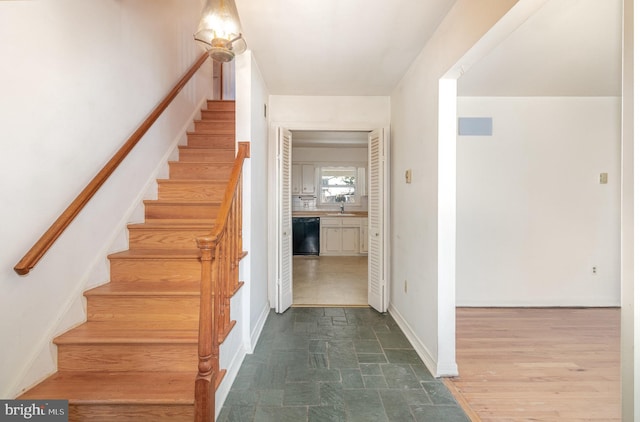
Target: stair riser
{"points": [[206, 155], [190, 171], [221, 105], [131, 412], [211, 140], [195, 191], [179, 211], [155, 270], [217, 126], [218, 115], [164, 239], [144, 309], [128, 357]]}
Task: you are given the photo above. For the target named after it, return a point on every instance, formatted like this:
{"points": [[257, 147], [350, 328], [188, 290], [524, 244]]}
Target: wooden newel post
{"points": [[205, 381]]}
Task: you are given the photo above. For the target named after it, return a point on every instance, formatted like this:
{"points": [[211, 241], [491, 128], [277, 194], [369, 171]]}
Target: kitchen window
{"points": [[339, 184]]}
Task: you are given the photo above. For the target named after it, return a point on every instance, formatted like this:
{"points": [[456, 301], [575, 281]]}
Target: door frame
{"points": [[273, 210]]}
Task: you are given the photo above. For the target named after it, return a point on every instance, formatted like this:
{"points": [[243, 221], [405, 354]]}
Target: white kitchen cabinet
{"points": [[308, 179], [340, 236], [296, 179], [331, 241], [303, 179], [350, 240]]}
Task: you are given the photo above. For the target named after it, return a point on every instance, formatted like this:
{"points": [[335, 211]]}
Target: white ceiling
{"points": [[364, 47], [337, 47], [567, 48]]}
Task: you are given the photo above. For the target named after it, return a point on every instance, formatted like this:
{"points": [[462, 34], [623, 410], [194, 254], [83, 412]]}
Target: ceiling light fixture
{"points": [[219, 30]]}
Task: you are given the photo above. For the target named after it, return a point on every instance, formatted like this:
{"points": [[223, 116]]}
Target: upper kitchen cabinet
{"points": [[303, 179]]}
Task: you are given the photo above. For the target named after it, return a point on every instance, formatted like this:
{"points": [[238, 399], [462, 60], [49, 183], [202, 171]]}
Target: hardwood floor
{"points": [[538, 364]]}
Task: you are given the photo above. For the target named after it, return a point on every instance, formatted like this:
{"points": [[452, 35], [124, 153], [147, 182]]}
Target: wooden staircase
{"points": [[136, 357]]}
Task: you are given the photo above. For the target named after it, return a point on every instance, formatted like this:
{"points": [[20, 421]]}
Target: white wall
{"points": [[78, 79], [427, 309], [255, 98], [533, 218], [250, 306], [329, 113]]}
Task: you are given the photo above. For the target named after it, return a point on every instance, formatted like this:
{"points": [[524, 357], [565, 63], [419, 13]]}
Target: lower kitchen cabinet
{"points": [[340, 236]]}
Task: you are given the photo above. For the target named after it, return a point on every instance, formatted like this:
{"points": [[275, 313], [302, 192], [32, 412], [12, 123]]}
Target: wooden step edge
{"points": [[140, 337], [206, 163], [207, 147], [223, 335], [219, 377], [181, 221], [188, 181], [237, 288], [117, 388], [229, 121], [147, 289], [128, 402], [157, 254], [178, 225], [180, 202], [216, 133]]}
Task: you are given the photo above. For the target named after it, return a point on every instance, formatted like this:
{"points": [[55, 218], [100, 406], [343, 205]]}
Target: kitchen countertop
{"points": [[329, 213]]}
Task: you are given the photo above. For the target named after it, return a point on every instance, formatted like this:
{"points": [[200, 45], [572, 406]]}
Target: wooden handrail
{"points": [[45, 242], [220, 255], [229, 193]]}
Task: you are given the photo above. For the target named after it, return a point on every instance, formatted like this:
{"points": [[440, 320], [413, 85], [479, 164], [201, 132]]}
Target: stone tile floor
{"points": [[336, 364]]}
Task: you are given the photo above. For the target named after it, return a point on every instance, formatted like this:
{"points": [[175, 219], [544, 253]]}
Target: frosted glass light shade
{"points": [[219, 30]]}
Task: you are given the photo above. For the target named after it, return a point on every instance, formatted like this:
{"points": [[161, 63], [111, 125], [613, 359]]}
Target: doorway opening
{"points": [[329, 207], [349, 196]]}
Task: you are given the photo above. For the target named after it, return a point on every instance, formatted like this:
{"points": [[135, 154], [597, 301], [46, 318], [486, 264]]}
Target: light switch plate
{"points": [[407, 176]]}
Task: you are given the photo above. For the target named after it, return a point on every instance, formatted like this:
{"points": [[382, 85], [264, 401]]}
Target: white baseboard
{"points": [[257, 330], [232, 371], [420, 348]]}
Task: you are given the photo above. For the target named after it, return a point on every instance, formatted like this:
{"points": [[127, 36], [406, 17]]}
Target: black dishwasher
{"points": [[306, 235]]}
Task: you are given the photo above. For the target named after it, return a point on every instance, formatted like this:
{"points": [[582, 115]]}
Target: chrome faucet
{"points": [[341, 207]]}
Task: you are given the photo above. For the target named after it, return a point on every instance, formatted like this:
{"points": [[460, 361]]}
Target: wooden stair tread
{"points": [[175, 225], [200, 181], [119, 333], [117, 387], [157, 254], [181, 202], [210, 132], [162, 253], [202, 163], [207, 147], [215, 120], [179, 221], [148, 289]]}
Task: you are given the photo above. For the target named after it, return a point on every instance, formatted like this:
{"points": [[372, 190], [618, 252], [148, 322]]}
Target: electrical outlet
{"points": [[594, 270]]}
